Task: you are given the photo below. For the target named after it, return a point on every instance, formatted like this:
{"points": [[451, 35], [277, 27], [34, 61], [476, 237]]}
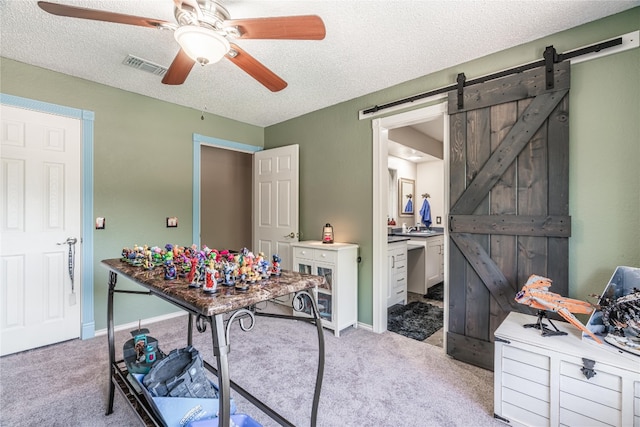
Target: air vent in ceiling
{"points": [[144, 65]]}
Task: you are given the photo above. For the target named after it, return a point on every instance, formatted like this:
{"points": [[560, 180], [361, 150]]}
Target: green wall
{"points": [[143, 161], [336, 156], [143, 155]]}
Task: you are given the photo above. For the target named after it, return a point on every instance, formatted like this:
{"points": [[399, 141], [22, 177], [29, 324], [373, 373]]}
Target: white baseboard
{"points": [[133, 325], [365, 326], [143, 322]]}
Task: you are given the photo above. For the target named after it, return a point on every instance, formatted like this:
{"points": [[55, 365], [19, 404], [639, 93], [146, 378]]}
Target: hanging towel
{"points": [[425, 213], [409, 207]]}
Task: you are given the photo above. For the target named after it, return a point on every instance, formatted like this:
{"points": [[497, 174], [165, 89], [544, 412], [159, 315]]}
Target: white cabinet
{"points": [[435, 260], [338, 297], [397, 270], [548, 381], [426, 263]]}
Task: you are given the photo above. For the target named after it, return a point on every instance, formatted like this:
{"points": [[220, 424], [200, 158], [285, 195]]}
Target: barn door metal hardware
{"points": [[550, 57], [461, 79]]}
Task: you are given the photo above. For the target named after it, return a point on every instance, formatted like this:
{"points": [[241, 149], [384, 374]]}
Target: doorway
{"points": [[270, 208], [61, 142], [381, 198]]}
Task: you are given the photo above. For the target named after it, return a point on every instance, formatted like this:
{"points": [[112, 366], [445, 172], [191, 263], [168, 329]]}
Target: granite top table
{"points": [[211, 308], [227, 299]]}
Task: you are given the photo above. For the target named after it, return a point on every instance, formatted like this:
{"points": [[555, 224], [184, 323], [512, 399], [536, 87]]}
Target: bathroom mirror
{"points": [[406, 196]]}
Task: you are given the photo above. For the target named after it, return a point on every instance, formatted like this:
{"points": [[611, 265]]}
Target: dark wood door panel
{"points": [[508, 193]]}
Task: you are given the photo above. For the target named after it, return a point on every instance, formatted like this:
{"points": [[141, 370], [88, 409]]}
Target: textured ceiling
{"points": [[370, 45]]}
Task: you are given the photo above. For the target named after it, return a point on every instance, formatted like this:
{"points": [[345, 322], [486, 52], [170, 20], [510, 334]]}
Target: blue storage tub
{"points": [[179, 411], [238, 420]]}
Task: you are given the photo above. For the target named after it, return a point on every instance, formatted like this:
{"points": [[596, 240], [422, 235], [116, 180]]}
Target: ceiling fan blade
{"points": [[255, 69], [304, 27], [179, 69], [100, 15]]}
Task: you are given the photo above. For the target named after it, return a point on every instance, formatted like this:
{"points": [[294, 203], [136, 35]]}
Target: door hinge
{"points": [[502, 340], [498, 417]]}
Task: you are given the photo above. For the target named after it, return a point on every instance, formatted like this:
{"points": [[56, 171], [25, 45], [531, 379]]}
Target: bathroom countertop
{"points": [[417, 235], [394, 239]]}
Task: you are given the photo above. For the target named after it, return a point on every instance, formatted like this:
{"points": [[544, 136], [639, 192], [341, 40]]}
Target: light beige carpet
{"points": [[370, 379]]}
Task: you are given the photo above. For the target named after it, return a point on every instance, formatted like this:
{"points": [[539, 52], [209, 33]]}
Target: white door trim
{"points": [[198, 142], [380, 200], [87, 119]]}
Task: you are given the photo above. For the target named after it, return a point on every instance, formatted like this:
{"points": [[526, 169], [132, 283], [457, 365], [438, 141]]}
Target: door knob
{"points": [[69, 241], [291, 235]]}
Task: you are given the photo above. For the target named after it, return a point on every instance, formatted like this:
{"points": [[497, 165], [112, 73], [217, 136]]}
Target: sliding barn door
{"points": [[509, 213]]}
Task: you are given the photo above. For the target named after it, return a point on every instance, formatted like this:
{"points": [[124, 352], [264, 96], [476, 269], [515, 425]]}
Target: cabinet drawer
{"points": [[299, 252], [400, 283], [400, 256], [325, 256]]}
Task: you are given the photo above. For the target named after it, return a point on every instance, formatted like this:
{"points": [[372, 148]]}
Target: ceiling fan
{"points": [[203, 31]]}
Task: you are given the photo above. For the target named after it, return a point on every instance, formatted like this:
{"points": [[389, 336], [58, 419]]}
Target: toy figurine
{"points": [[211, 283], [148, 260], [170, 272], [193, 277], [275, 265], [535, 293], [227, 268]]}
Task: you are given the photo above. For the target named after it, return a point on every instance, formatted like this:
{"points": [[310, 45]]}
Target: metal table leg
{"points": [[320, 373], [113, 279], [221, 352]]}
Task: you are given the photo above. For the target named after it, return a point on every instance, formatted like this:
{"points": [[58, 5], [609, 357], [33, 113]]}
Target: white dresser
{"points": [[338, 263], [548, 381]]}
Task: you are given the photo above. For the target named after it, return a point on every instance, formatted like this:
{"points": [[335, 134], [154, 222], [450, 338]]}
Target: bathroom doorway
{"points": [[387, 132]]}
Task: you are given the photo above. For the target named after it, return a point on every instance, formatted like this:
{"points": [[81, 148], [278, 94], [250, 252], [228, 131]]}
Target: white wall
{"points": [[430, 179], [408, 170]]}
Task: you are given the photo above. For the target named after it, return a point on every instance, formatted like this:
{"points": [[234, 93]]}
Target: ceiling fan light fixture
{"points": [[203, 45]]}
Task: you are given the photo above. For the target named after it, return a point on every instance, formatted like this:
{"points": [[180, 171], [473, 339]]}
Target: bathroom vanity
{"points": [[422, 264], [397, 270]]}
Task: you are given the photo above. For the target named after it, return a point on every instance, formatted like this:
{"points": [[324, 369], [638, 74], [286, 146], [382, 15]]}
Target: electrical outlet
{"points": [[438, 220]]}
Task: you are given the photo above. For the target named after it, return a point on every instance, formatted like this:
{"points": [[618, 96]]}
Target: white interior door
{"points": [[40, 207], [275, 202]]}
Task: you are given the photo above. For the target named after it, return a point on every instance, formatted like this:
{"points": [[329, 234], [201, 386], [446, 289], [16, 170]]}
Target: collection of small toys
{"points": [[205, 268], [141, 351]]}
